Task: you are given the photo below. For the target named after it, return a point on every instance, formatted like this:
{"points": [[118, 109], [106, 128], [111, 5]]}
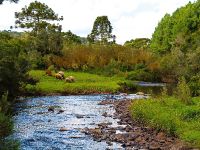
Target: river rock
{"points": [[62, 129], [79, 116], [51, 108], [105, 102], [140, 93], [60, 111]]}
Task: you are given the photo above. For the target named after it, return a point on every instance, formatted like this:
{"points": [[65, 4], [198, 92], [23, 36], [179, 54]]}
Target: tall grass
{"points": [[88, 57]]}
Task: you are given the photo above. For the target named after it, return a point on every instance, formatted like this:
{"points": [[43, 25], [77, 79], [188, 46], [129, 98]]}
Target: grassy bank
{"points": [[170, 115], [85, 83]]}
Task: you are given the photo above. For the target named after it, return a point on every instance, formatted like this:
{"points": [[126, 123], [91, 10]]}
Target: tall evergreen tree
{"points": [[102, 31]]}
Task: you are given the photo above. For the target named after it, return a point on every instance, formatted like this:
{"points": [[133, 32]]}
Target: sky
{"points": [[130, 18]]}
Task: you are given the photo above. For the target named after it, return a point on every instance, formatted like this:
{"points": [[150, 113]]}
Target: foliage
{"points": [[179, 30], [13, 67], [161, 36], [70, 38], [140, 75], [183, 91], [138, 43], [102, 31], [194, 85], [46, 37], [107, 59], [170, 115], [5, 125], [36, 16], [173, 65], [9, 144]]}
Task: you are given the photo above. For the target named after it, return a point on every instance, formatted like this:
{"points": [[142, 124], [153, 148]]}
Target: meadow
{"points": [[85, 83]]}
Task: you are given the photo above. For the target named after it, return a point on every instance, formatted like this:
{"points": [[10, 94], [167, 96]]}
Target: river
{"points": [[39, 121]]}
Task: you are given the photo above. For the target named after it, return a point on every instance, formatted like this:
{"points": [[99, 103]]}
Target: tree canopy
{"points": [[47, 36], [181, 29], [102, 31], [37, 17]]}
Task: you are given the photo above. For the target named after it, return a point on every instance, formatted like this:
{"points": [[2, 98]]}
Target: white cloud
{"points": [[129, 18]]}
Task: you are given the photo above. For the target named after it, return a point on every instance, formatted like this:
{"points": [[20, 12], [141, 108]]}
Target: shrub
{"points": [[140, 75], [4, 104], [6, 125], [194, 85], [183, 91], [9, 144]]}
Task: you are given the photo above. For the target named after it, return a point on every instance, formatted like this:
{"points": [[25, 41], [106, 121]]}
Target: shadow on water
{"points": [[147, 87]]}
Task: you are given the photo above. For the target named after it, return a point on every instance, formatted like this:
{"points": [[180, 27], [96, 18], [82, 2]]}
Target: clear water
{"points": [[36, 128]]}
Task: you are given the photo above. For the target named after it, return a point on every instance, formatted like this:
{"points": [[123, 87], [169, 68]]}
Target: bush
{"points": [[183, 91], [140, 75], [194, 85], [6, 125], [4, 104], [9, 144]]}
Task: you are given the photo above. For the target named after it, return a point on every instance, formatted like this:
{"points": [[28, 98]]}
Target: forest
{"points": [[31, 60]]}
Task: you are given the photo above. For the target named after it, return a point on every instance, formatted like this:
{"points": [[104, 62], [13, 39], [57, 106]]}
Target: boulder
{"points": [[62, 129], [51, 108]]}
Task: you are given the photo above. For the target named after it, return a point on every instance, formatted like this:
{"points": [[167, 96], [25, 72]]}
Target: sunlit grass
{"points": [[85, 83], [171, 116]]}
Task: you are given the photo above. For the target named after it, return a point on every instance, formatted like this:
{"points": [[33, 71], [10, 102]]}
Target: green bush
{"points": [[183, 91], [6, 125], [194, 85], [9, 144], [140, 75]]}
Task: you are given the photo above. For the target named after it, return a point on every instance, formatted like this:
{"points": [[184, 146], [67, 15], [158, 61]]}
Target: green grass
{"points": [[85, 83], [170, 115]]}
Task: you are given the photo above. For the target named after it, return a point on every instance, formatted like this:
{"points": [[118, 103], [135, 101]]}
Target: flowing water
{"points": [[36, 128]]}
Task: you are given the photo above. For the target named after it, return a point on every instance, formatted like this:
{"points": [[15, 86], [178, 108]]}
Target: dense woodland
{"points": [[171, 54]]}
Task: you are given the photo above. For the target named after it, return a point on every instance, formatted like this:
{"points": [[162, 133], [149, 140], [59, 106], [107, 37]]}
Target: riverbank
{"points": [[170, 115], [132, 134]]}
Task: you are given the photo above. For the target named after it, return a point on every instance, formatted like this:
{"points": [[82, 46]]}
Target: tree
{"points": [[15, 1], [36, 16], [13, 66], [102, 31], [71, 38], [47, 36], [161, 38]]}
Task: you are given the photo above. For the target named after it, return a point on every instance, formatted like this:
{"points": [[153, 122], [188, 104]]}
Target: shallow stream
{"points": [[37, 127]]}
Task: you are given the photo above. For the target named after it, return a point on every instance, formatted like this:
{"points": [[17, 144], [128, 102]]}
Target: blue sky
{"points": [[130, 18]]}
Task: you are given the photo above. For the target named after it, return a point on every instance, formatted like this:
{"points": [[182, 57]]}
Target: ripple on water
{"points": [[38, 129]]}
